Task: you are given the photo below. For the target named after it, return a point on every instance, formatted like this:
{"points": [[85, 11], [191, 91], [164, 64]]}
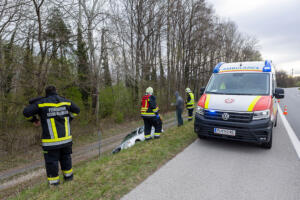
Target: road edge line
{"points": [[294, 139]]}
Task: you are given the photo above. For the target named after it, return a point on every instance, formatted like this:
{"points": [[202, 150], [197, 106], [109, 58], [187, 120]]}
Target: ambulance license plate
{"points": [[224, 131]]}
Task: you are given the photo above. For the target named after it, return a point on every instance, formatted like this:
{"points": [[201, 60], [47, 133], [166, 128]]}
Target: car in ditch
{"points": [[132, 138]]}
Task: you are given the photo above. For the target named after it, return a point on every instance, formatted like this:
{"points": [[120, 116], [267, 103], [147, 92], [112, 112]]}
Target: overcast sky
{"points": [[275, 23]]}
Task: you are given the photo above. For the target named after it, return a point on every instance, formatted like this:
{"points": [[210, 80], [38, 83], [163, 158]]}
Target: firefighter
{"points": [[55, 114], [149, 113], [190, 103]]}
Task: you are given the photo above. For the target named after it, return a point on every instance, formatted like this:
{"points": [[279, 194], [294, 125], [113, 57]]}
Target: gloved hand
{"points": [[157, 116]]}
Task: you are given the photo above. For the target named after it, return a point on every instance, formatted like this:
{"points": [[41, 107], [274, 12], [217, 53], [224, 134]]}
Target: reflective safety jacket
{"points": [[190, 101], [148, 106], [55, 113]]}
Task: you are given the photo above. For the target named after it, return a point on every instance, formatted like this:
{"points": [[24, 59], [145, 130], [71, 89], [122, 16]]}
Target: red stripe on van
{"points": [[264, 103], [202, 100]]}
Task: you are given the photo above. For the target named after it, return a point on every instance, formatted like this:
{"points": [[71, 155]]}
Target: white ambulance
{"points": [[239, 103]]}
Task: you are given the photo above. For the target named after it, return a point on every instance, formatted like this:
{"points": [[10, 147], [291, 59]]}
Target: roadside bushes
{"points": [[116, 102]]}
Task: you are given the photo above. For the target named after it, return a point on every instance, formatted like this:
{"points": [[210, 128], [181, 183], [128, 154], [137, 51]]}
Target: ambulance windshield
{"points": [[239, 84]]}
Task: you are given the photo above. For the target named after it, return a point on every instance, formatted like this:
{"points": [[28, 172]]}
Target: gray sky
{"points": [[275, 23]]}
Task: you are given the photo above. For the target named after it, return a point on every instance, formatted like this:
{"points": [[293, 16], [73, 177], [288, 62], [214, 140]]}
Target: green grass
{"points": [[81, 136], [113, 176]]}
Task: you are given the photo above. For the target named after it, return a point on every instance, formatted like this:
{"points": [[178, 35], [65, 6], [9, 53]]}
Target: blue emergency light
{"points": [[217, 67], [268, 66]]}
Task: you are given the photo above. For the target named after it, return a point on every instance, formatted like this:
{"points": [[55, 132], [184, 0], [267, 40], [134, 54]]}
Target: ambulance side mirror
{"points": [[279, 93], [202, 91]]}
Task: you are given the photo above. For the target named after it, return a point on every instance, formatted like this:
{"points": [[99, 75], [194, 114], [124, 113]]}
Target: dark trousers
{"points": [[63, 156], [190, 113], [179, 117], [148, 123]]}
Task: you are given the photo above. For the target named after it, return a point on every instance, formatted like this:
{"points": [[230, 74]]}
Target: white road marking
{"points": [[294, 139]]}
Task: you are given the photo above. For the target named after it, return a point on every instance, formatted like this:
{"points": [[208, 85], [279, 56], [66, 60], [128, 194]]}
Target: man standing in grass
{"points": [[179, 108], [149, 113], [55, 113], [190, 103]]}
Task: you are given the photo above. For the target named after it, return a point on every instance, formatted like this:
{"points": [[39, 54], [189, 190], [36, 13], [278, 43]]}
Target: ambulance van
{"points": [[239, 103]]}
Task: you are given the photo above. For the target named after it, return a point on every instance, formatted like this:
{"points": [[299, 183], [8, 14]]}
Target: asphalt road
{"points": [[216, 169], [292, 101]]}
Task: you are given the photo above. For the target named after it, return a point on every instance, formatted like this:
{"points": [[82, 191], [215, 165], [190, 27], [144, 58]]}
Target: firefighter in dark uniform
{"points": [[190, 103], [149, 113], [55, 113]]}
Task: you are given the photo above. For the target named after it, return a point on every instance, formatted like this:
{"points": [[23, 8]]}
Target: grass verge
{"points": [[81, 136], [113, 176]]}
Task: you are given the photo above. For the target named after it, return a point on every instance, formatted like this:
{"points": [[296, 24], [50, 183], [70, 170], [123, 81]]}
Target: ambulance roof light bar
{"points": [[268, 66], [217, 67]]}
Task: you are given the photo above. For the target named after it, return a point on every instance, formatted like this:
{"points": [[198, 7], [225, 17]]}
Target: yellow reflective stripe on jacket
{"points": [[67, 126], [148, 114], [75, 114], [207, 101], [54, 104], [56, 140], [253, 103], [155, 109], [54, 128]]}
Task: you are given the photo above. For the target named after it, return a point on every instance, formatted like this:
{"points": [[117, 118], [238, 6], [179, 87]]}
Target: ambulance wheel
{"points": [[268, 145], [276, 120]]}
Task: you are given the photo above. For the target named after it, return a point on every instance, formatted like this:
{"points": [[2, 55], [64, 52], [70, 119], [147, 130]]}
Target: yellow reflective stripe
{"points": [[156, 109], [66, 127], [53, 178], [75, 114], [54, 128], [253, 103], [157, 134], [54, 104], [207, 101], [67, 171], [147, 136], [56, 140], [148, 113], [29, 118]]}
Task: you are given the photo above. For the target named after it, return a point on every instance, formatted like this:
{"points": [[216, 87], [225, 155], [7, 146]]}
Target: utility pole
{"points": [[292, 72]]}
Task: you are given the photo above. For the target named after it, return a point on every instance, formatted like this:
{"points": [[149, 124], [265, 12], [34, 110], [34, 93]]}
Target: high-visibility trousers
{"points": [[190, 114], [148, 123], [55, 156]]}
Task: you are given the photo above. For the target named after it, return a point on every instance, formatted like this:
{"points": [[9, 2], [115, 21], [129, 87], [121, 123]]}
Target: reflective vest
{"points": [[146, 111], [190, 104]]}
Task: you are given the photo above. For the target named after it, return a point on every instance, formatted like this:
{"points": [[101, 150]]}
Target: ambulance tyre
{"points": [[268, 145]]}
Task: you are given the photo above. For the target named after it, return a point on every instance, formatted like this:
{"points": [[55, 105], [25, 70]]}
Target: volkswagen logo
{"points": [[225, 116]]}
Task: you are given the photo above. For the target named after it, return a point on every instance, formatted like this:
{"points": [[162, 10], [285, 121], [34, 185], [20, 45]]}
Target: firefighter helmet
{"points": [[149, 90]]}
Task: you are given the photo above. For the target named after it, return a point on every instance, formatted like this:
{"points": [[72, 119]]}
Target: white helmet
{"points": [[188, 90], [149, 90]]}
